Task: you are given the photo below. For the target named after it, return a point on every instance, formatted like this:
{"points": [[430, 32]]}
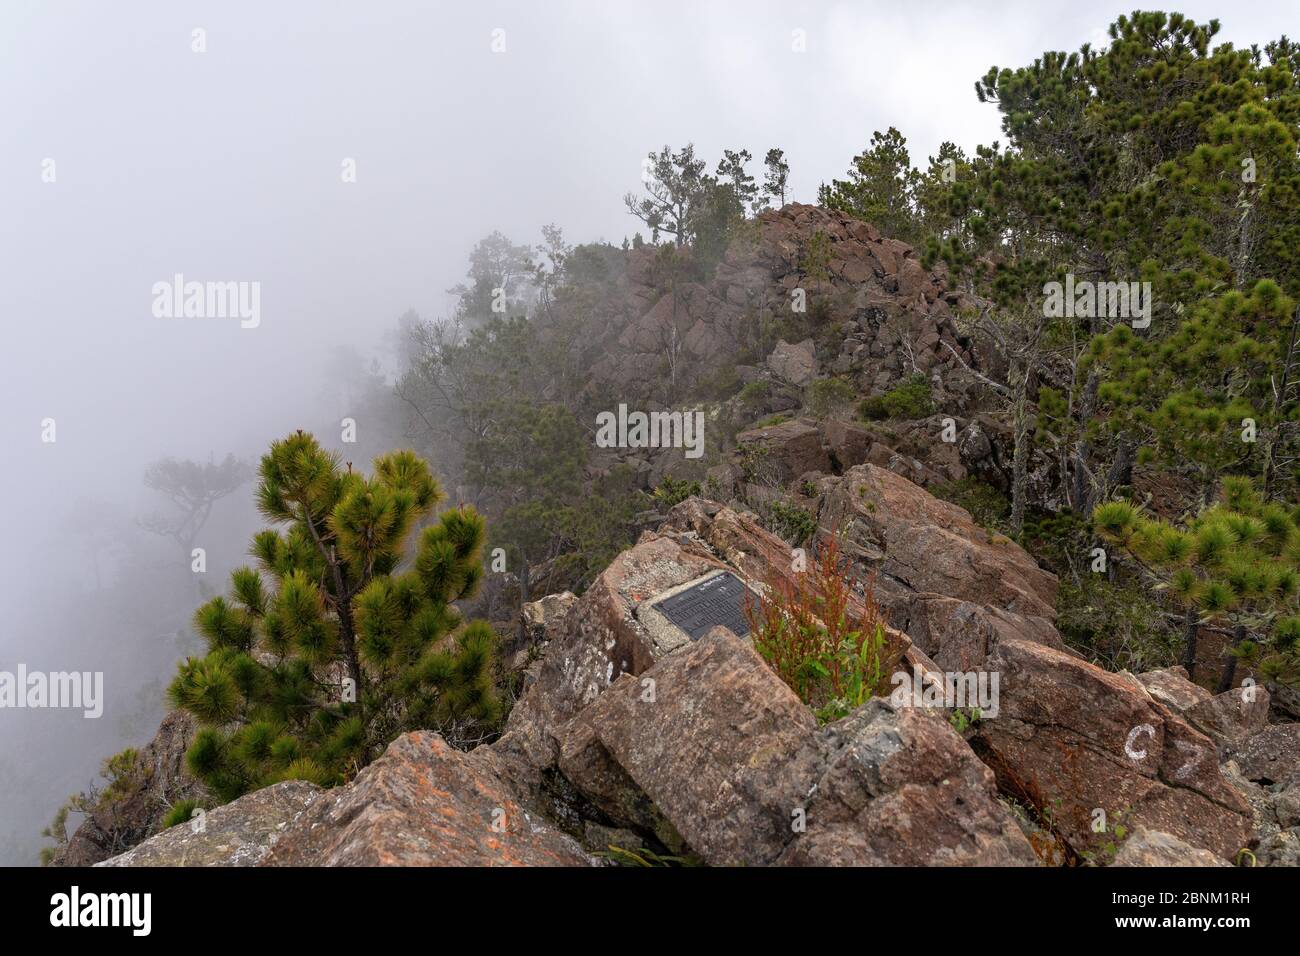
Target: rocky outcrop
{"points": [[1233, 716], [1076, 741], [240, 833], [793, 364], [892, 316], [1270, 756], [134, 809], [1172, 688], [605, 637], [711, 736], [735, 764], [777, 454], [425, 804], [914, 542], [645, 730]]}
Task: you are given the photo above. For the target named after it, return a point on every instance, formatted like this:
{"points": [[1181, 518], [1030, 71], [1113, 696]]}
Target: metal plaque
{"points": [[719, 601]]}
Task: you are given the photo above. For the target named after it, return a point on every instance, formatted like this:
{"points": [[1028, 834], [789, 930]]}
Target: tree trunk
{"points": [[1121, 469], [1279, 397], [1083, 494], [1229, 675], [1020, 452], [1191, 628], [523, 599]]}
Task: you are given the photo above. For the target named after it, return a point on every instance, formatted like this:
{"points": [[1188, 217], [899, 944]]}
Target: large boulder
{"points": [[424, 803], [1232, 716], [959, 635], [900, 788], [710, 748], [716, 742], [240, 833], [1270, 756], [1074, 740], [605, 636], [1171, 687], [915, 542], [777, 454], [795, 364]]}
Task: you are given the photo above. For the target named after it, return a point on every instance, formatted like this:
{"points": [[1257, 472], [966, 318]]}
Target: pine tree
{"points": [[1107, 174], [777, 176], [1236, 565], [880, 189], [335, 643]]}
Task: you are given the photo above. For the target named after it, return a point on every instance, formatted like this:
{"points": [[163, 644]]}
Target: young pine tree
{"points": [[1236, 565], [334, 644]]}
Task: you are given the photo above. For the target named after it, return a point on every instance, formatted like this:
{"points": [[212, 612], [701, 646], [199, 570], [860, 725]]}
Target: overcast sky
{"points": [[226, 165]]}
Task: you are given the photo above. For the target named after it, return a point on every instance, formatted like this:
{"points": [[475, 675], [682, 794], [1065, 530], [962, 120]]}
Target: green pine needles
{"points": [[338, 640], [1235, 565]]}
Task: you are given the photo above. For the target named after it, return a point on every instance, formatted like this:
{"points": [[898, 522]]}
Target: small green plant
{"points": [[753, 395], [672, 491], [778, 419], [645, 857], [911, 399], [790, 522], [828, 396], [124, 772], [1112, 838], [829, 652], [816, 260], [962, 718], [987, 505], [182, 811]]}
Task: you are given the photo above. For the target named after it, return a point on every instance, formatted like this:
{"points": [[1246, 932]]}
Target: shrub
{"points": [[343, 636], [1116, 626], [672, 491], [796, 525], [911, 399], [826, 396], [180, 812], [832, 656], [753, 395]]}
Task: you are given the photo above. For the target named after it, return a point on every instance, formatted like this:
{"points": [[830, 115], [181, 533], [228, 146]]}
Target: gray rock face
{"points": [[795, 364], [425, 804], [1270, 756], [1152, 848], [1232, 716], [1172, 688], [241, 833]]}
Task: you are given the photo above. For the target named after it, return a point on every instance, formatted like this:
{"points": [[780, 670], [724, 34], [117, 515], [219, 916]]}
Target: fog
{"points": [[126, 157]]}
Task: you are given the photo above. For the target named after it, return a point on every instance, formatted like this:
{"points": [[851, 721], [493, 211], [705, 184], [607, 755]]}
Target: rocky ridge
{"points": [[633, 739]]}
